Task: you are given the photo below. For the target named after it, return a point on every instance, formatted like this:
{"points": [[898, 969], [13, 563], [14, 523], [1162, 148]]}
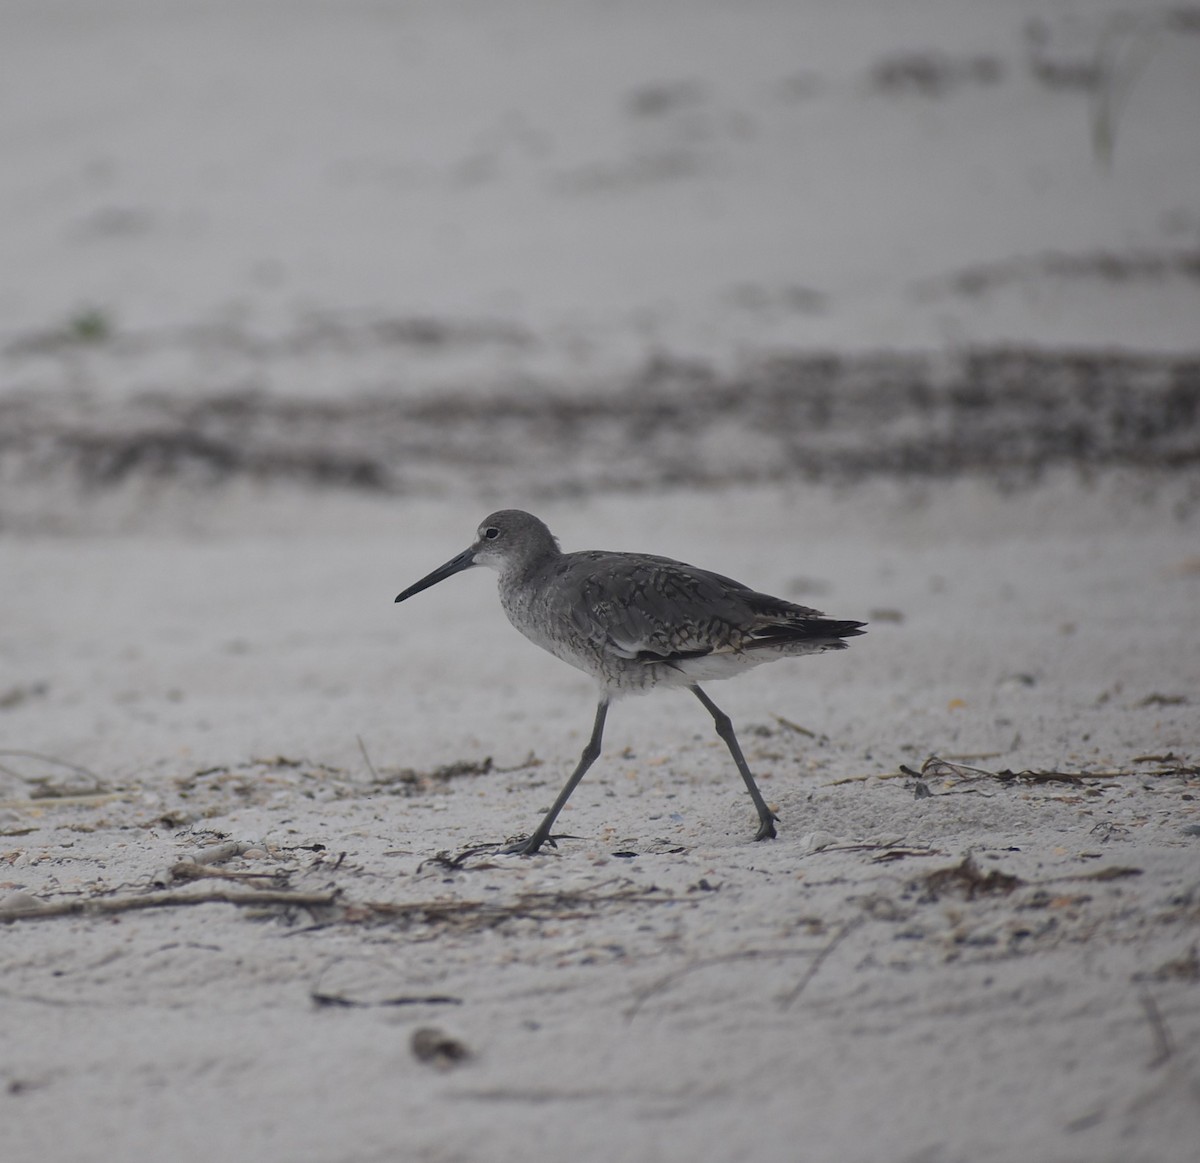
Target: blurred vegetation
{"points": [[90, 325]]}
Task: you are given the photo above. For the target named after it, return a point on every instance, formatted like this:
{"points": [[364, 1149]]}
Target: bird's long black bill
{"points": [[464, 560]]}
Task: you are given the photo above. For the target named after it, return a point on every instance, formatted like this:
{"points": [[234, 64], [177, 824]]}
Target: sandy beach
{"points": [[887, 310]]}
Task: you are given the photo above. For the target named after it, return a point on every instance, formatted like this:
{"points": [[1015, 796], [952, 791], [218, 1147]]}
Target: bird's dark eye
{"points": [[491, 533]]}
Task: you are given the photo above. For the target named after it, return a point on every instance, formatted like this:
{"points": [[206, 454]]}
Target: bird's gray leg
{"points": [[590, 754], [766, 817]]}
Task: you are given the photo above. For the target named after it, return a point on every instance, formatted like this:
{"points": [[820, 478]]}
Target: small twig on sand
{"points": [[786, 999], [1162, 1036], [367, 759], [41, 803], [537, 906], [17, 753], [664, 983], [936, 767], [794, 727], [353, 994], [190, 870], [107, 906], [468, 914]]}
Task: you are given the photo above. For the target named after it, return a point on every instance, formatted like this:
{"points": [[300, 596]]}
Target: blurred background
{"points": [[532, 248]]}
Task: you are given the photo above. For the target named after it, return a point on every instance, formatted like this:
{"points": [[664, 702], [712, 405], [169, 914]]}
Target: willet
{"points": [[634, 622]]}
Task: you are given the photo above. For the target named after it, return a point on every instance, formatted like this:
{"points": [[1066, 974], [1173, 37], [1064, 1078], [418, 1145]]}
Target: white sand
{"points": [[1009, 1026], [182, 668]]}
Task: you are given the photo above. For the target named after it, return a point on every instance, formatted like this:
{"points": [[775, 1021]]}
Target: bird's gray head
{"points": [[511, 538], [506, 540]]}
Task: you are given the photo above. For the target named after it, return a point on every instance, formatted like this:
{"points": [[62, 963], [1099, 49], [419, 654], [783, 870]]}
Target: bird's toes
{"points": [[528, 846], [766, 830]]}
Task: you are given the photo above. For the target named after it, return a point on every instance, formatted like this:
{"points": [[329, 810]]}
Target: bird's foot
{"points": [[527, 847], [766, 828]]}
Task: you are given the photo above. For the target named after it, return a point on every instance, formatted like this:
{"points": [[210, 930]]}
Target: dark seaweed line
{"points": [[1007, 412]]}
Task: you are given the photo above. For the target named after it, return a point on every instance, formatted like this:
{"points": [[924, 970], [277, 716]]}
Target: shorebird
{"points": [[634, 622]]}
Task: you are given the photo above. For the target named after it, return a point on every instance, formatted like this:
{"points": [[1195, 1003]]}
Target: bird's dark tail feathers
{"points": [[827, 632]]}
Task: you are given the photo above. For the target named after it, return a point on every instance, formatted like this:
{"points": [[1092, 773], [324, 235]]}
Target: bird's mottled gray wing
{"points": [[643, 607]]}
